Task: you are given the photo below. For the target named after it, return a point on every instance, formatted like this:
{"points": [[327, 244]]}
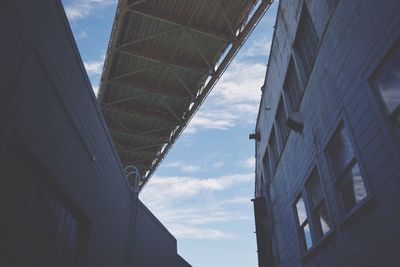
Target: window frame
{"points": [[267, 171], [290, 106], [302, 192], [389, 117], [300, 226], [274, 158], [278, 127], [317, 228], [303, 76], [346, 216]]}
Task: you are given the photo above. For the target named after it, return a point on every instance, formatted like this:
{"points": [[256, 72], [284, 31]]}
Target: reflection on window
{"points": [[291, 88], [281, 127], [321, 220], [306, 43], [347, 172], [388, 84], [274, 150], [267, 166], [304, 227], [353, 187]]}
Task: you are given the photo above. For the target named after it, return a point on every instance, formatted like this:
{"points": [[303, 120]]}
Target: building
{"points": [[327, 188], [65, 200]]}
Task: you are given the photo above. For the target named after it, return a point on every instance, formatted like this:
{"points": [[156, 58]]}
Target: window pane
{"points": [[352, 187], [388, 82], [274, 150], [292, 87], [314, 189], [306, 43], [267, 166], [341, 151], [325, 221], [307, 236], [301, 211], [281, 124]]}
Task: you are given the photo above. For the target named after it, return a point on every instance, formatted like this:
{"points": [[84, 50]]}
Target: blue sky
{"points": [[202, 190]]}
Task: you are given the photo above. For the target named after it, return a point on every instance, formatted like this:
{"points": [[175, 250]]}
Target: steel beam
{"points": [[182, 82], [130, 73], [124, 100], [173, 21], [149, 137], [120, 124], [155, 115], [152, 36], [153, 58], [158, 130], [226, 18], [151, 90]]}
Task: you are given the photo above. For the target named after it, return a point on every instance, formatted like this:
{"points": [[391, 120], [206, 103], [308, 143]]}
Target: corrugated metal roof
{"points": [[163, 59]]}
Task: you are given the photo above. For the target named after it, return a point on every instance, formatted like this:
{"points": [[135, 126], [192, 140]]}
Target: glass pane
{"points": [[341, 151], [352, 187], [301, 211], [292, 87], [326, 223], [314, 189], [388, 82], [307, 236], [267, 166], [281, 120], [306, 42], [274, 150]]}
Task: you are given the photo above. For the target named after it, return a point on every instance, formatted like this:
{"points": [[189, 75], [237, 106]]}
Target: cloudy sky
{"points": [[202, 190]]}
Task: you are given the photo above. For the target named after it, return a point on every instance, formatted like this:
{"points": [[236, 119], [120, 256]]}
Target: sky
{"points": [[202, 190]]}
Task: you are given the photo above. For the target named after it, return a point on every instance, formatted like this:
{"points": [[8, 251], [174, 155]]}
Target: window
{"points": [[387, 82], [303, 224], [322, 223], [345, 167], [267, 167], [40, 225], [291, 88], [282, 129], [305, 44], [274, 150]]}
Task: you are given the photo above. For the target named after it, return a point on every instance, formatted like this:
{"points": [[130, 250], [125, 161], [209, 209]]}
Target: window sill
{"points": [[361, 208], [326, 239]]}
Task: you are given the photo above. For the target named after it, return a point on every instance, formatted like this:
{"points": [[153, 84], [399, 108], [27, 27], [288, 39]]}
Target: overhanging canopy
{"points": [[163, 59]]}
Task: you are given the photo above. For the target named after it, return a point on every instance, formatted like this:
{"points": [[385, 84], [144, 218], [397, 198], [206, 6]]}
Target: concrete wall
{"points": [[354, 36], [47, 99]]}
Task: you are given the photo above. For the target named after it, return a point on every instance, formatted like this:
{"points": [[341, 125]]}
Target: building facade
{"points": [[327, 189], [64, 198]]}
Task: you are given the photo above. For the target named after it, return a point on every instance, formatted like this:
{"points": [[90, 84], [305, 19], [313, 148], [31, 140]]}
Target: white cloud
{"points": [[260, 47], [249, 163], [94, 67], [80, 9], [182, 166], [211, 119], [234, 99], [82, 35], [95, 89], [174, 187], [218, 164], [196, 208], [184, 231]]}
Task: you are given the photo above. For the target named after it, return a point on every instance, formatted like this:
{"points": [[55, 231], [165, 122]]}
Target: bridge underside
{"points": [[163, 59]]}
